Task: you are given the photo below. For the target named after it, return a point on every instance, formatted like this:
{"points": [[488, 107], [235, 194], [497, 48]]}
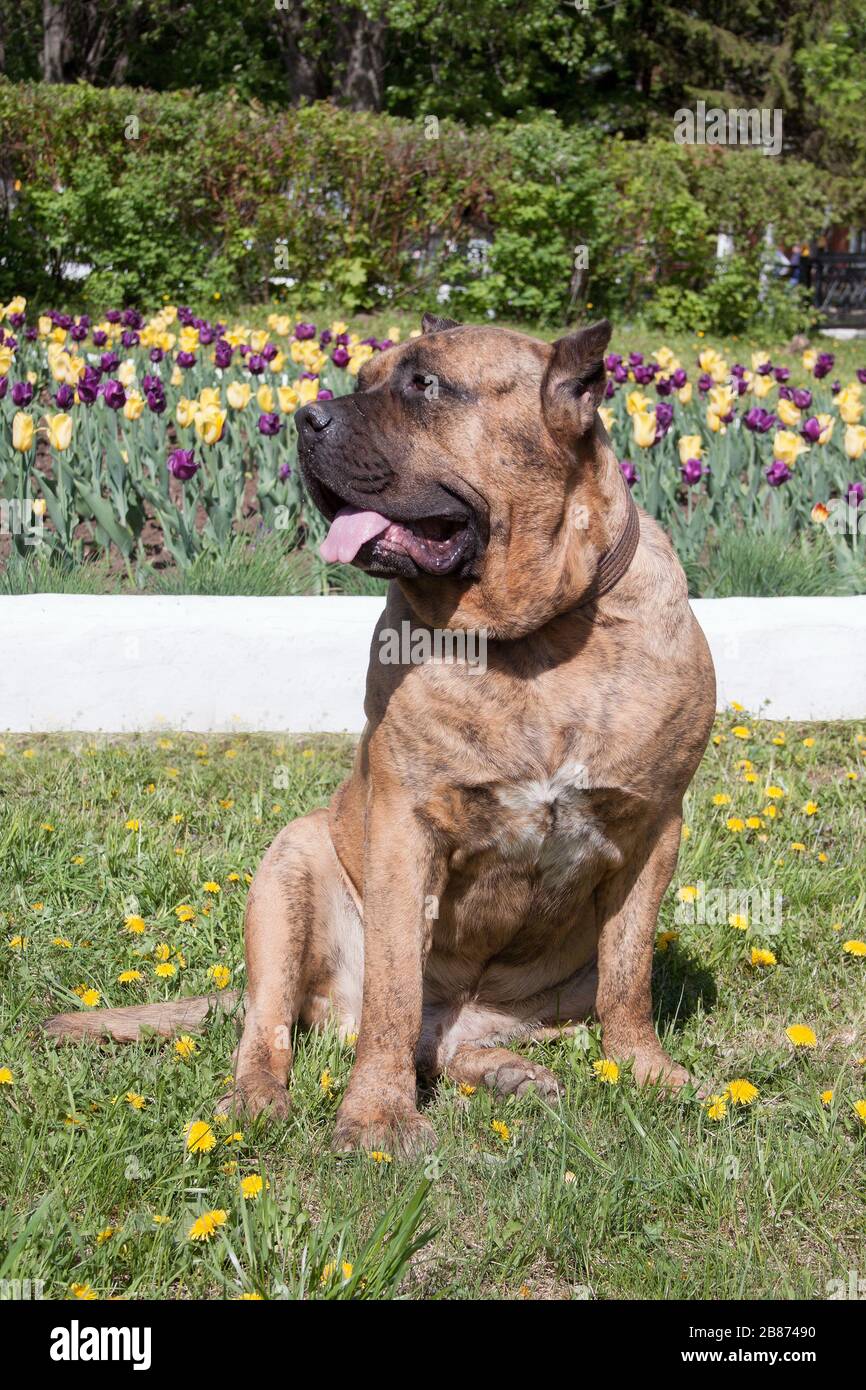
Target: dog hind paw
{"points": [[255, 1094]]}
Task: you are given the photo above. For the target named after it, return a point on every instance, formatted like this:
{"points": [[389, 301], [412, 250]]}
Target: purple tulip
{"points": [[861, 375], [824, 365], [269, 352], [129, 339], [664, 386], [305, 330], [222, 354], [801, 397], [109, 362], [643, 375], [156, 354], [342, 340], [704, 382], [635, 359], [612, 361], [325, 338], [855, 493], [664, 414], [811, 430], [4, 386], [182, 464], [100, 337], [113, 316], [609, 391], [285, 470], [114, 395], [131, 318], [22, 393], [765, 369], [269, 424], [620, 373], [64, 397], [325, 395], [16, 320], [781, 373], [692, 471], [679, 378], [255, 363], [629, 472], [78, 332], [738, 369], [777, 473], [759, 420], [88, 388], [836, 387], [206, 335], [185, 360]]}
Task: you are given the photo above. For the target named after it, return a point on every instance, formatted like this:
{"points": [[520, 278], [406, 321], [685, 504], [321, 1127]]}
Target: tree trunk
{"points": [[365, 63], [287, 26], [54, 40]]}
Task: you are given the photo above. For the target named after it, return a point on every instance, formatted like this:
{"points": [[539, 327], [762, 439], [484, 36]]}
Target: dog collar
{"points": [[614, 562]]}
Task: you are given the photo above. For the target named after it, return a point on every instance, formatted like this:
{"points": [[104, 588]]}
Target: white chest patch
{"points": [[550, 824]]}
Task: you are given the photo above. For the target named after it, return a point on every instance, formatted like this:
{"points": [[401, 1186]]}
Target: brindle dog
{"points": [[493, 867]]}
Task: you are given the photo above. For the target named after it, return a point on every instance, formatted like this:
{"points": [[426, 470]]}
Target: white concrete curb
{"points": [[125, 664]]}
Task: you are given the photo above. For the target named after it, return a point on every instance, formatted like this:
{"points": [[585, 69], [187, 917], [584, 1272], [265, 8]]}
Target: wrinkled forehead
{"points": [[484, 361]]}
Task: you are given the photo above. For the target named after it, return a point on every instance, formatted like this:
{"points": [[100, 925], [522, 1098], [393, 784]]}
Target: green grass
{"points": [[664, 1201]]}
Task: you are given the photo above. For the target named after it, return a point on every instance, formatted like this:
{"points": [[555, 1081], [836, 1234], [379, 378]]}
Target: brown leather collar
{"points": [[614, 562]]}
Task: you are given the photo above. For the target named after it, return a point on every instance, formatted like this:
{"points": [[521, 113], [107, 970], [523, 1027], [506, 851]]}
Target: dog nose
{"points": [[315, 416]]}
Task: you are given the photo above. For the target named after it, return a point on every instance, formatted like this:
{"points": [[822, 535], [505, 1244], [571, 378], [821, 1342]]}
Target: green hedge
{"points": [[183, 194]]}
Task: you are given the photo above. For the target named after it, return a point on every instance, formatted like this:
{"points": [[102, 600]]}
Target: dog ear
{"points": [[430, 323], [574, 380]]}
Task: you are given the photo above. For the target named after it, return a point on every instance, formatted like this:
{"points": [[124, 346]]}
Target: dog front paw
{"points": [[397, 1132], [255, 1093]]}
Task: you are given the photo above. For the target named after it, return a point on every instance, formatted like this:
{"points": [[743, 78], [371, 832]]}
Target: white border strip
{"points": [[119, 664]]}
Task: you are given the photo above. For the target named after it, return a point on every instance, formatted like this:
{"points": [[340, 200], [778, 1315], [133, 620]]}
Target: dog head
{"points": [[463, 466]]}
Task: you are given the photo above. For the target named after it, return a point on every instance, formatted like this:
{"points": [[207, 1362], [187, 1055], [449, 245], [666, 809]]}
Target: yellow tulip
{"points": [[338, 327], [721, 400], [759, 359], [6, 358], [176, 377], [22, 431], [855, 441], [134, 405], [58, 335], [762, 386], [277, 363], [44, 325], [238, 395], [644, 429], [715, 422], [126, 372], [265, 399], [810, 357], [788, 447], [258, 339], [850, 406], [187, 339], [59, 431], [690, 447], [288, 398], [394, 335], [636, 403], [606, 417], [16, 305], [307, 391], [788, 413], [684, 395], [185, 412], [666, 360], [826, 422], [209, 424], [209, 395]]}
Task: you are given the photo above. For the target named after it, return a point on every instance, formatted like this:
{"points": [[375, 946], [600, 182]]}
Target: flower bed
{"points": [[175, 433]]}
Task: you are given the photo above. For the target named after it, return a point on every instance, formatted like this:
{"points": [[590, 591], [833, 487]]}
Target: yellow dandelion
{"points": [[801, 1035], [135, 924], [774, 792], [741, 731], [18, 943], [252, 1187], [63, 942], [687, 893], [466, 1090], [165, 970], [606, 1071], [735, 824], [665, 938], [826, 1097], [89, 998], [135, 1100], [105, 1235], [739, 920], [741, 1092], [6, 1077], [808, 743], [184, 913], [132, 824], [129, 977], [211, 886], [326, 1081], [721, 799], [185, 1046], [83, 1291], [501, 1130], [854, 948], [717, 1107], [206, 1225], [200, 1138], [379, 1156], [754, 822], [220, 974], [798, 847], [860, 1107], [762, 957], [810, 808]]}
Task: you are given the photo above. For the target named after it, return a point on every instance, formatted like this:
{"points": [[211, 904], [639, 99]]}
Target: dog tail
{"points": [[141, 1020]]}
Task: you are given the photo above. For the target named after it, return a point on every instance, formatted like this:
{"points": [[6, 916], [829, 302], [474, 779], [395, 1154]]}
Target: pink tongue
{"points": [[349, 530]]}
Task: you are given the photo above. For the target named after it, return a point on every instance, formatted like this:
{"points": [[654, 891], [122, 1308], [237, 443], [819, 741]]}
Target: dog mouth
{"points": [[388, 545]]}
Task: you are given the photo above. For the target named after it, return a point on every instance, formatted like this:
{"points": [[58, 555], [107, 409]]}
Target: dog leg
{"points": [[379, 1110], [289, 934], [628, 910]]}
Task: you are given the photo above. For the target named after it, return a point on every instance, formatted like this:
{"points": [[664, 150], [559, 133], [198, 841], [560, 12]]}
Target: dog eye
{"points": [[419, 382]]}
